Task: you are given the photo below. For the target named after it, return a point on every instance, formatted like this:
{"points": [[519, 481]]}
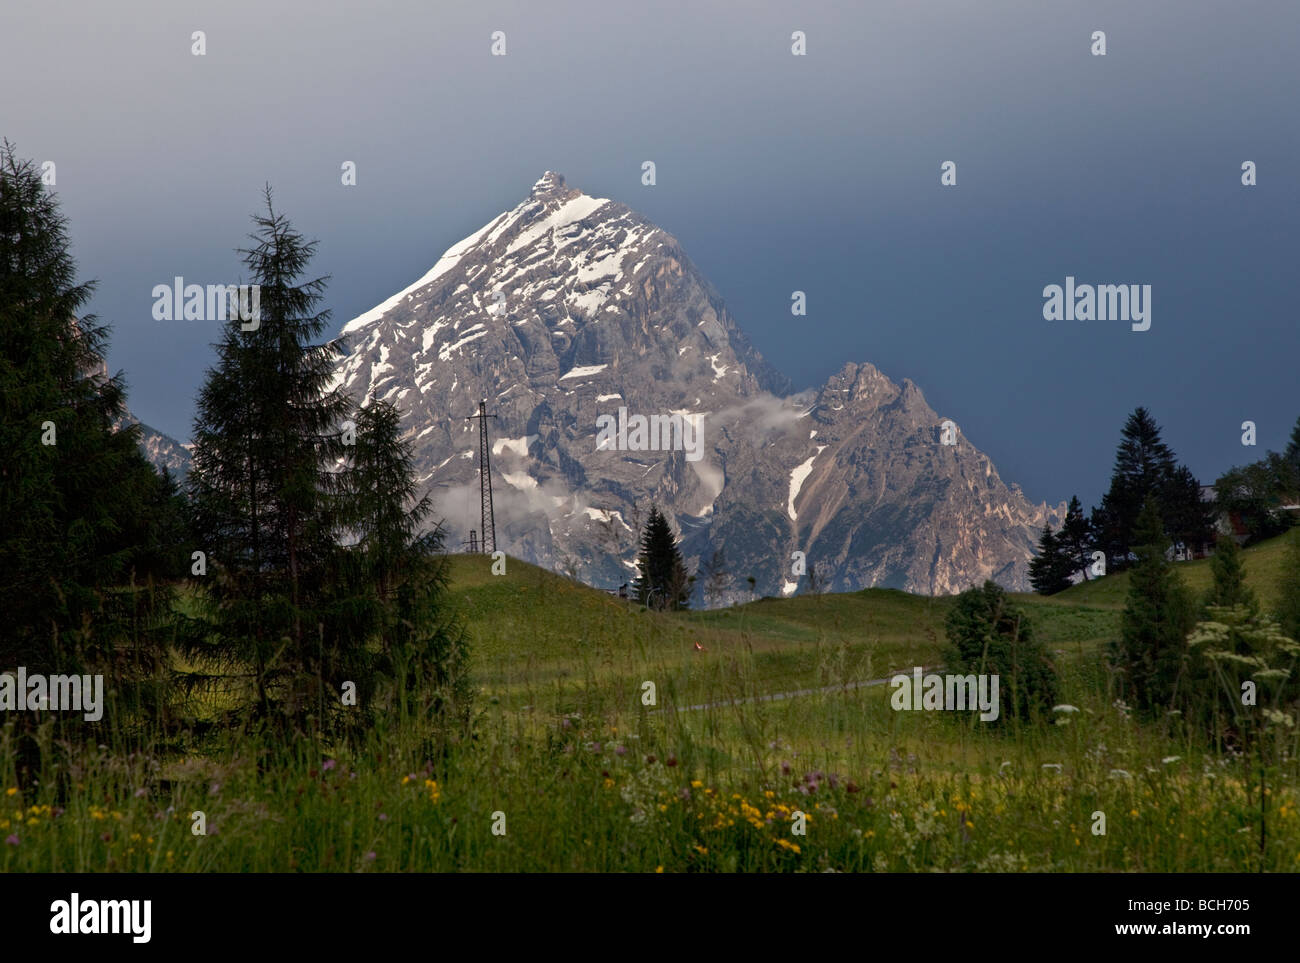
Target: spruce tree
{"points": [[1075, 537], [1187, 519], [1292, 450], [399, 572], [1229, 572], [1049, 570], [662, 582], [266, 438], [1143, 466], [1288, 607], [1158, 615], [73, 489]]}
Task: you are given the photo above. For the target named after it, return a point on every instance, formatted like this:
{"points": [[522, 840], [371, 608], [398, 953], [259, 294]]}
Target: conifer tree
{"points": [[662, 582], [402, 570], [1187, 519], [1288, 608], [1159, 613], [1229, 587], [1049, 570], [266, 437], [1145, 467], [1075, 537], [1292, 451], [72, 488]]}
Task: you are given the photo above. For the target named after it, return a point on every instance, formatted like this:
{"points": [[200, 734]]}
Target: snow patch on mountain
{"points": [[798, 475]]}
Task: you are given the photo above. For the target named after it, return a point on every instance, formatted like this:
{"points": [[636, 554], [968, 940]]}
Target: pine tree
{"points": [[72, 509], [1229, 574], [1103, 524], [1157, 617], [1288, 609], [1143, 467], [400, 572], [1187, 519], [266, 436], [165, 542], [1075, 537], [1292, 451], [662, 582], [1049, 570], [383, 511]]}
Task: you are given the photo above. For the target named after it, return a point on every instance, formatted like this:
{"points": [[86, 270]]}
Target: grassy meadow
{"points": [[576, 773]]}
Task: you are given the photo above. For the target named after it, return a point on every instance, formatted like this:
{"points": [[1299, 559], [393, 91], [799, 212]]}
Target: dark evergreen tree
{"points": [[1075, 538], [1234, 644], [1107, 538], [399, 572], [1157, 618], [1188, 520], [987, 633], [1229, 574], [1049, 570], [165, 543], [1143, 467], [75, 576], [1292, 451], [1288, 607], [72, 488], [266, 438], [662, 582]]}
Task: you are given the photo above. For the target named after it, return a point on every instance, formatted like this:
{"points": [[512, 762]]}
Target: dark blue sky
{"points": [[818, 173]]}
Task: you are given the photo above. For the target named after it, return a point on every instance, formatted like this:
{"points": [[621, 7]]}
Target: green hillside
{"points": [[535, 632], [1263, 568]]}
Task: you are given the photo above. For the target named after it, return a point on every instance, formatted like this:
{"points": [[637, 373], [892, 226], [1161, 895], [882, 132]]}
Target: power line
{"points": [[488, 525]]}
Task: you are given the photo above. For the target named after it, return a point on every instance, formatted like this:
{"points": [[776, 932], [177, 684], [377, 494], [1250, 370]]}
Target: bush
{"points": [[987, 633]]}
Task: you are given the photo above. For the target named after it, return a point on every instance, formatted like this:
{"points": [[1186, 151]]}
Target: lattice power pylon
{"points": [[488, 527]]}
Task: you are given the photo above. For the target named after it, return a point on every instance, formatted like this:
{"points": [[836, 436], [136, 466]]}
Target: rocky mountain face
{"points": [[619, 379], [161, 451], [164, 451]]}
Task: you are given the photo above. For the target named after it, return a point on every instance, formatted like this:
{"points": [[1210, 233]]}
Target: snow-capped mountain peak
{"points": [[568, 310]]}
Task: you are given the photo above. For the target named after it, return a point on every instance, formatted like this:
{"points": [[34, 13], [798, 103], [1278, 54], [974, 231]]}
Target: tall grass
{"points": [[588, 778]]}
